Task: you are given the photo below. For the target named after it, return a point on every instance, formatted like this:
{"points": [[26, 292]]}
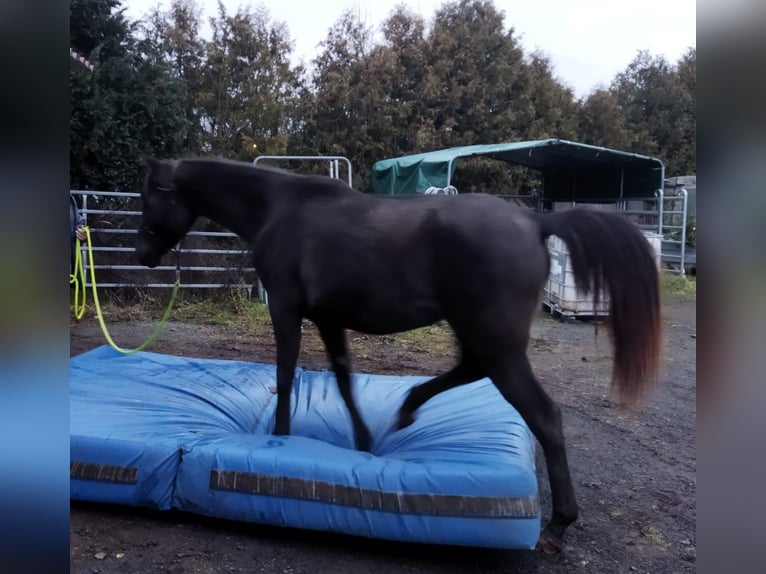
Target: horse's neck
{"points": [[241, 202]]}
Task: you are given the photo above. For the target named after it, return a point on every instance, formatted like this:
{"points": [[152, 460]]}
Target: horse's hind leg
{"points": [[515, 381], [465, 372], [334, 339]]}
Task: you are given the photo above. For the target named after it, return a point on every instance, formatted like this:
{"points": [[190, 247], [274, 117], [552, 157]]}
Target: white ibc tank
{"points": [[560, 294], [655, 240]]}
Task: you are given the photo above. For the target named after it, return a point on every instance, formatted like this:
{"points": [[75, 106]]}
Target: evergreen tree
{"points": [[127, 108], [658, 109], [247, 86]]}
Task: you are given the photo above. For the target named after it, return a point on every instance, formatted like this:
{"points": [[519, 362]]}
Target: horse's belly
{"points": [[386, 324], [380, 316]]}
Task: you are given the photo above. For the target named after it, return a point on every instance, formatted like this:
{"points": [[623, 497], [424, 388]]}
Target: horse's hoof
{"points": [[549, 544], [364, 443], [405, 420]]}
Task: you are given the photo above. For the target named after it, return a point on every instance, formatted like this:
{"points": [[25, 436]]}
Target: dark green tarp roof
{"points": [[570, 170]]}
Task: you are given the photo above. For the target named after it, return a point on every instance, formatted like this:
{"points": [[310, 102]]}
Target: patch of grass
{"points": [[654, 536], [257, 313], [144, 310], [433, 338], [679, 285], [222, 308], [234, 310], [542, 345], [201, 311], [436, 338], [221, 318]]}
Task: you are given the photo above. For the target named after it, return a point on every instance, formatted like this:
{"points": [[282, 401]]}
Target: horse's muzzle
{"points": [[147, 259], [146, 254]]}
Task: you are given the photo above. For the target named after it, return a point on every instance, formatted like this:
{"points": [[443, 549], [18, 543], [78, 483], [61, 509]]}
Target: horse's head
{"points": [[167, 217]]}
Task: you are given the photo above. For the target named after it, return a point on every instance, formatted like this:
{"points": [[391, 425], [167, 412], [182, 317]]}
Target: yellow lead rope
{"points": [[79, 311], [77, 278]]}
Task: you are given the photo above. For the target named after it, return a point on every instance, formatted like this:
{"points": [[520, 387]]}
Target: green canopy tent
{"points": [[570, 171]]}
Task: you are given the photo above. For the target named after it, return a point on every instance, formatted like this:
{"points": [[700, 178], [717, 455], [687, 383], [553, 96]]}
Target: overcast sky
{"points": [[588, 41]]}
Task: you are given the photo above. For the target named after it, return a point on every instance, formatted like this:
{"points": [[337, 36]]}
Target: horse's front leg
{"points": [[334, 339], [287, 332]]}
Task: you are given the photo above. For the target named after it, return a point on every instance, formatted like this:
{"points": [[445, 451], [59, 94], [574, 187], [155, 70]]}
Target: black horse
{"points": [[348, 260]]}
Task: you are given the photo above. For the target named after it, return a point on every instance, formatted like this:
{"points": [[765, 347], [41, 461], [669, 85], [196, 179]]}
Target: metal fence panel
{"points": [[208, 257]]}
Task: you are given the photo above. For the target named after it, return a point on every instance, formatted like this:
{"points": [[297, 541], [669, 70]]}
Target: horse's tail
{"points": [[609, 253]]}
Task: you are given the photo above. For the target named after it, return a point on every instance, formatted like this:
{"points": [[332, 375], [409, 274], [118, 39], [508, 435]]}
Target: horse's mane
{"points": [[236, 164], [243, 165], [317, 183]]}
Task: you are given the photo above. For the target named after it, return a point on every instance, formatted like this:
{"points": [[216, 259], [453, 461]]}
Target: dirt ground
{"points": [[634, 474]]}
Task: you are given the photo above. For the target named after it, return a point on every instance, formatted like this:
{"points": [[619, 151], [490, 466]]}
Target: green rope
{"points": [[99, 313]]}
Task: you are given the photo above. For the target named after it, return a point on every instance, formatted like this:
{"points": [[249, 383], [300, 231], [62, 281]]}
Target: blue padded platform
{"points": [[165, 431]]}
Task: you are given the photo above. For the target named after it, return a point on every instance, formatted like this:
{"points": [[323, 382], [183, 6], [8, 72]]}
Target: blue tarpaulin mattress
{"points": [[164, 431]]}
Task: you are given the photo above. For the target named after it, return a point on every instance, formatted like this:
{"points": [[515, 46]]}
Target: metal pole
{"points": [[83, 245], [622, 183], [309, 158], [449, 172], [685, 196], [574, 185]]}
